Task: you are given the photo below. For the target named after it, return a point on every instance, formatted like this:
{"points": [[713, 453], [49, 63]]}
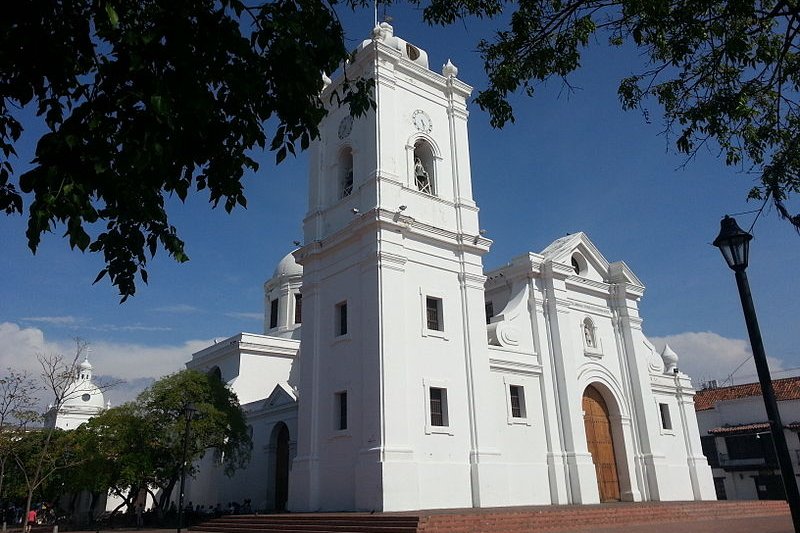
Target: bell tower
{"points": [[394, 335]]}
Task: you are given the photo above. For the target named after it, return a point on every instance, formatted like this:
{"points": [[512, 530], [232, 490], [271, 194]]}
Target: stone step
{"points": [[495, 520], [329, 526]]}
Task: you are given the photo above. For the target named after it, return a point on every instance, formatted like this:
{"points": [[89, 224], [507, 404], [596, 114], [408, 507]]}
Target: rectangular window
{"points": [[341, 404], [273, 314], [517, 395], [298, 308], [433, 309], [489, 311], [438, 399], [666, 420], [341, 319]]}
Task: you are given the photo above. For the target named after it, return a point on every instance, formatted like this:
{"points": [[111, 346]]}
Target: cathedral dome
{"points": [[288, 267]]}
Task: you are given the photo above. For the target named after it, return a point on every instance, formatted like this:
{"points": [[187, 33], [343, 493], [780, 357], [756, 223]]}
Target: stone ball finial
{"points": [[670, 359], [449, 70]]}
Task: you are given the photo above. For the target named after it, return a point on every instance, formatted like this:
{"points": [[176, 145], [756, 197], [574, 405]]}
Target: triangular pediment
{"points": [[282, 394], [593, 264]]}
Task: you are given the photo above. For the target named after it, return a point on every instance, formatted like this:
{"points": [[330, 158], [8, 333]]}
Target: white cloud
{"points": [[127, 327], [126, 391], [54, 320], [20, 345], [177, 308], [706, 355], [245, 316]]}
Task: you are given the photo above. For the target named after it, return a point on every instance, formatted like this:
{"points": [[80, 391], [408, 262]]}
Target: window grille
{"points": [[515, 391], [438, 398], [433, 307]]}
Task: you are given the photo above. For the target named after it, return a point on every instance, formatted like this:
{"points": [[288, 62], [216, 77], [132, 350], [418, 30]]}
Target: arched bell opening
{"points": [[424, 168], [345, 172]]}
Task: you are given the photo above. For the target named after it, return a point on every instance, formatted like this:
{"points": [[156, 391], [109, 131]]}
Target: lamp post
{"points": [[189, 411], [734, 243]]}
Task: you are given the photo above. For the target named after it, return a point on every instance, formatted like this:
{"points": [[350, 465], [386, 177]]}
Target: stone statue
{"points": [[587, 333]]}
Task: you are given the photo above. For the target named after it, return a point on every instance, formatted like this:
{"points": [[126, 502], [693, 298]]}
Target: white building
{"points": [[737, 440], [417, 379], [82, 401]]}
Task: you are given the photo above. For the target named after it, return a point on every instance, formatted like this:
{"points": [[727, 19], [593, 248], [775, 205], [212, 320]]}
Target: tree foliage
{"points": [[140, 445], [148, 100], [17, 403], [145, 100], [726, 73]]}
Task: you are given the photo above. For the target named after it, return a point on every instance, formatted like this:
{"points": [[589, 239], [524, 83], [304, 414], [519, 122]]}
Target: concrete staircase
{"points": [[495, 520]]}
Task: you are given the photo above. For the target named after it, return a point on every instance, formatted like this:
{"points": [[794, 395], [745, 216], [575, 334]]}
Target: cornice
{"points": [[507, 366], [394, 221]]}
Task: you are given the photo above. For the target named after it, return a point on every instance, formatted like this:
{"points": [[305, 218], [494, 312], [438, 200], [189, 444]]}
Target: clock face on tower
{"points": [[421, 121], [345, 126]]}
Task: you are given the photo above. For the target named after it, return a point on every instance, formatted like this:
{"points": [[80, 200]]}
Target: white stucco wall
{"points": [[383, 250]]}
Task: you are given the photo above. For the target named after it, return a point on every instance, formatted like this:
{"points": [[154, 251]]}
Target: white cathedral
{"points": [[419, 381]]}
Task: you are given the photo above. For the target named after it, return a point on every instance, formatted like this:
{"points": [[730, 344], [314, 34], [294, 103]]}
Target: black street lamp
{"points": [[189, 412], [734, 243]]}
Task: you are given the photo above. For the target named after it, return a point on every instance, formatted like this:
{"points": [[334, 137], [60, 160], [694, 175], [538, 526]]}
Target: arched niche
{"points": [[589, 334]]}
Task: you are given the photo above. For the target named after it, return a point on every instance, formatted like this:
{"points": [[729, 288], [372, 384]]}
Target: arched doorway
{"points": [[600, 442], [281, 433]]}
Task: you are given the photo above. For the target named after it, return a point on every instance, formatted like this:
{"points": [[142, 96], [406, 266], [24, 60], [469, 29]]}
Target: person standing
{"points": [[31, 520]]}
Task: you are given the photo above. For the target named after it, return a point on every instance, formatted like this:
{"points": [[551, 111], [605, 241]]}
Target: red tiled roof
{"points": [[742, 428], [785, 389], [749, 428]]}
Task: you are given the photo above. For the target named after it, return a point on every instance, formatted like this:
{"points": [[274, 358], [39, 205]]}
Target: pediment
{"points": [[282, 394], [593, 264]]}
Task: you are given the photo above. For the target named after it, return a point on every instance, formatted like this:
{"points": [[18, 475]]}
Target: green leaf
{"points": [[112, 15]]}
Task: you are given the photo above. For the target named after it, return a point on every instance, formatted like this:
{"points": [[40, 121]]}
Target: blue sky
{"points": [[571, 162]]}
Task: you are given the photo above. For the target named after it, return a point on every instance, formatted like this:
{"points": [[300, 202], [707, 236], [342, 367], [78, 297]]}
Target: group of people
{"points": [[201, 511], [11, 514]]}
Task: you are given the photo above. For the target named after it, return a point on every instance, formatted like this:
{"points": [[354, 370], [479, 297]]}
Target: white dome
{"points": [[85, 365], [288, 267]]}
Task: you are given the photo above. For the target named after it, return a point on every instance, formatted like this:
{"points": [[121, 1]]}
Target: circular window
{"points": [[86, 397], [578, 264]]}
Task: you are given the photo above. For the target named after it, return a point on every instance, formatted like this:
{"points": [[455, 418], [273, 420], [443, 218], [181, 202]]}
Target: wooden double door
{"points": [[601, 444]]}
